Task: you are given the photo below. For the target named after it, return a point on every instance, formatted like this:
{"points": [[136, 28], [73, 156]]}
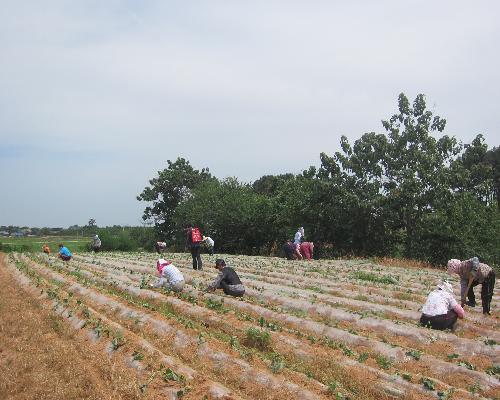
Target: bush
{"points": [[120, 241]]}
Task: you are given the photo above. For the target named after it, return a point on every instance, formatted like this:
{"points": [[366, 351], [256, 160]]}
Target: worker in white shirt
{"points": [[170, 276], [209, 243]]}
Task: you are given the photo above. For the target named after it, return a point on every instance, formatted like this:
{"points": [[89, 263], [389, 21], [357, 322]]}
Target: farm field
{"points": [[326, 329], [35, 243]]}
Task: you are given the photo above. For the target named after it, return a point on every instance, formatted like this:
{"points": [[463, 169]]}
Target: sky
{"points": [[96, 96]]}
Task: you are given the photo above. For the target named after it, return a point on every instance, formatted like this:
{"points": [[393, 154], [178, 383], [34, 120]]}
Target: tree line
{"points": [[410, 192]]}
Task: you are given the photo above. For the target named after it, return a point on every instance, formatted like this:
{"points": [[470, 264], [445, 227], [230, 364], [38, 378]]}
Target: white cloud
{"points": [[246, 88]]}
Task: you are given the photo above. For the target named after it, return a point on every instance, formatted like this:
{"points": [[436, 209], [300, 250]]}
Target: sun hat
{"points": [[453, 266], [446, 286]]}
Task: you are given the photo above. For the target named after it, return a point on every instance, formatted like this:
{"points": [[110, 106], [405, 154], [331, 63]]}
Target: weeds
{"points": [[383, 362], [258, 339], [428, 383], [368, 276]]}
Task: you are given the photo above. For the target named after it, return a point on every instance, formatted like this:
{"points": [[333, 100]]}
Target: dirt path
{"points": [[42, 358]]}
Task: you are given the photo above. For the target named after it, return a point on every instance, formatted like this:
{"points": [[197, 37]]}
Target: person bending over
{"points": [[227, 280], [473, 273]]}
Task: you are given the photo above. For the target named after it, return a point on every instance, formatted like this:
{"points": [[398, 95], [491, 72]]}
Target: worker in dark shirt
{"points": [[227, 280]]}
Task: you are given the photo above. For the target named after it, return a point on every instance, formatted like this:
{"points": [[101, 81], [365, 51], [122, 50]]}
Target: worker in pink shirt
{"points": [[307, 250], [441, 310]]}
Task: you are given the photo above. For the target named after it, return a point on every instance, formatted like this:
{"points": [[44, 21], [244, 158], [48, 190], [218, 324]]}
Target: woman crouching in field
{"points": [[441, 310], [170, 277]]}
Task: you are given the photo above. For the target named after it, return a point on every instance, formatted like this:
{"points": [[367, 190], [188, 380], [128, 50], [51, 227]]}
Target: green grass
{"points": [[34, 244], [368, 276]]}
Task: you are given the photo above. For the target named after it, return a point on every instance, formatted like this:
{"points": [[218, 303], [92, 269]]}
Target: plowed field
{"points": [[326, 329]]}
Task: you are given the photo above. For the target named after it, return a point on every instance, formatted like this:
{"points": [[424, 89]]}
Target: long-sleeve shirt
{"points": [[439, 302], [169, 271], [228, 276], [298, 236], [465, 270]]}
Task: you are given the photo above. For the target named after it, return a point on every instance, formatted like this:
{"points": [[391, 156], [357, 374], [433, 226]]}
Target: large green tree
{"points": [[171, 187]]}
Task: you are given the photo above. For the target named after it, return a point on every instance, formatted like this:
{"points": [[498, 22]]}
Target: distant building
{"points": [[4, 233]]}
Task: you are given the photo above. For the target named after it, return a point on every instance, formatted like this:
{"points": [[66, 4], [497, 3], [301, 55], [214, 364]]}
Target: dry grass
{"points": [[404, 263], [36, 346]]}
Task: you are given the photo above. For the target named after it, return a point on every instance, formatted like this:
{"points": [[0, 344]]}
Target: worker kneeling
{"points": [[170, 277], [441, 310], [227, 280]]}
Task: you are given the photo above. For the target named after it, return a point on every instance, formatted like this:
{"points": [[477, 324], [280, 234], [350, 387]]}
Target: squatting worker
{"points": [[46, 249], [307, 250], [170, 276], [227, 280], [441, 310], [64, 254], [473, 273]]}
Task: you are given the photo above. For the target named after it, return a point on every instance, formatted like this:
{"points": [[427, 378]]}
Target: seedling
{"points": [[257, 338], [277, 363], [429, 384], [414, 353], [383, 362]]}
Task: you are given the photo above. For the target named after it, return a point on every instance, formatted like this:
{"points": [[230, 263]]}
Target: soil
{"points": [[35, 346]]}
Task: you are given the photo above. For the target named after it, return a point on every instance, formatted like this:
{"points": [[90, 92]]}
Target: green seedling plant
{"points": [[428, 383], [277, 363], [258, 339], [415, 354]]}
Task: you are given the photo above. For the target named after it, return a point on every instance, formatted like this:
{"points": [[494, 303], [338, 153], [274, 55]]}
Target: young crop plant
{"points": [[258, 339], [383, 362], [415, 354], [428, 383], [118, 340], [169, 375], [277, 363], [215, 305], [495, 370], [368, 276]]}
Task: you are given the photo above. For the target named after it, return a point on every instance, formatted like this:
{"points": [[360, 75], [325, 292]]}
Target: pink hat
{"points": [[454, 266]]}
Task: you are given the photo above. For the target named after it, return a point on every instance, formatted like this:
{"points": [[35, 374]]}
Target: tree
{"points": [[229, 211], [172, 186], [391, 181]]}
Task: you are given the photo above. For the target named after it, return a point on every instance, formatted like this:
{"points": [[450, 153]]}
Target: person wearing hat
{"points": [[46, 249], [209, 243], [170, 276], [472, 273], [160, 247], [441, 310], [227, 280], [96, 244]]}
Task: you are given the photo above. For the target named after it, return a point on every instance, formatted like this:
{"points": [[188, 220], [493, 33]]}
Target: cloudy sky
{"points": [[96, 96]]}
